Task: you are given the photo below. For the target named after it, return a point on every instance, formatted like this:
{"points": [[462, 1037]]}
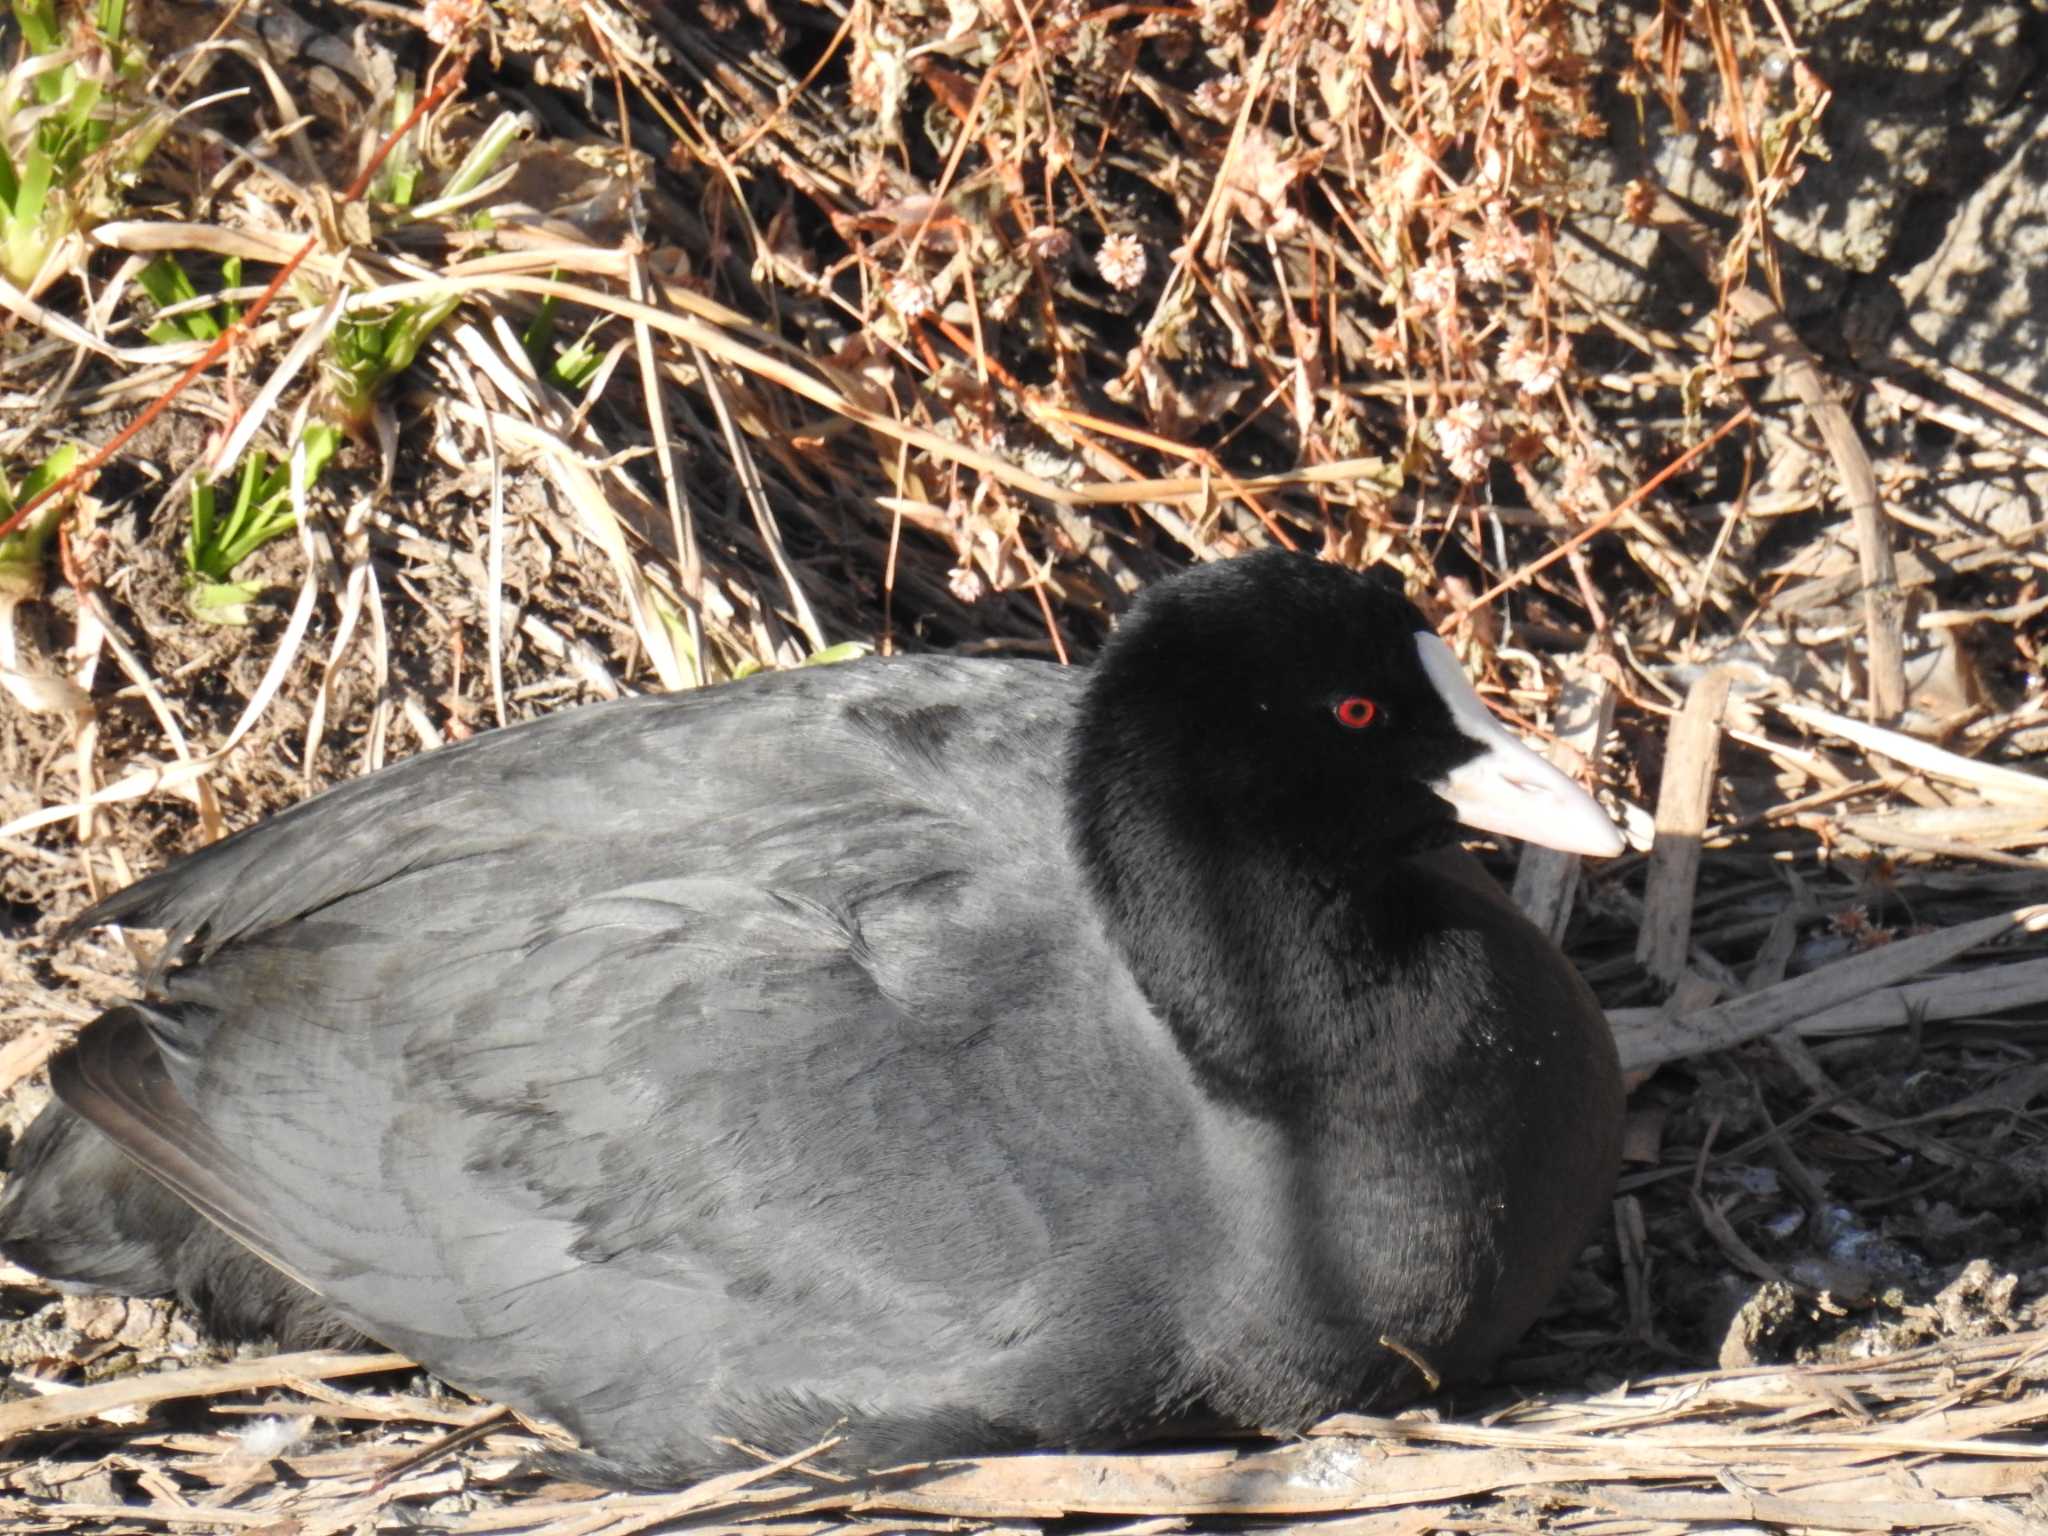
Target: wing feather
{"points": [[481, 1044]]}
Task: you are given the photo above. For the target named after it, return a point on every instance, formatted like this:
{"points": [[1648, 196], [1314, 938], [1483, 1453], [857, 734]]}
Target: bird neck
{"points": [[1305, 985]]}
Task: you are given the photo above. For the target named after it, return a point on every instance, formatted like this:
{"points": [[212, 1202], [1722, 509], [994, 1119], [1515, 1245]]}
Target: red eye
{"points": [[1357, 712]]}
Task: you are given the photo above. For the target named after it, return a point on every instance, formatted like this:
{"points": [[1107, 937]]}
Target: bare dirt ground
{"points": [[1683, 360]]}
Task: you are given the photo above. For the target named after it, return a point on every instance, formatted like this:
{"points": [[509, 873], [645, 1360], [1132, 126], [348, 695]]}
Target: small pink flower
{"points": [[1481, 263], [1529, 368], [448, 22], [910, 297], [1121, 261], [965, 583], [1434, 284], [1219, 96], [1050, 242], [1465, 436]]}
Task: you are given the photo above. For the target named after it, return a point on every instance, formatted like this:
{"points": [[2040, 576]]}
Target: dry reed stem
{"points": [[1691, 758]]}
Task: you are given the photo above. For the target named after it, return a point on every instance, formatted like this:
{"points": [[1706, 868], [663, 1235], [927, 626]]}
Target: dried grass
{"points": [[1937, 1438]]}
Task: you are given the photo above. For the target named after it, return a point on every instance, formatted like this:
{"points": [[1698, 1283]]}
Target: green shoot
{"points": [[22, 552], [261, 511], [369, 349], [67, 138], [831, 656], [399, 180], [484, 155], [568, 368], [365, 353], [165, 282]]}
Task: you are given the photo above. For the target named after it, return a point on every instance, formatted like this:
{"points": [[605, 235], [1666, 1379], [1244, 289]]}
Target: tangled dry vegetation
{"points": [[466, 362]]}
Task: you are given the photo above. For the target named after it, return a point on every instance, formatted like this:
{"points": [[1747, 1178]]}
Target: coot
{"points": [[973, 1054]]}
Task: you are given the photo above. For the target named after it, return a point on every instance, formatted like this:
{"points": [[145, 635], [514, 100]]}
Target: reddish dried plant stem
{"points": [[83, 476], [1608, 518]]}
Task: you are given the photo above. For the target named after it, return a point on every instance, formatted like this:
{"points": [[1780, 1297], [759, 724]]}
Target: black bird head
{"points": [[1279, 699]]}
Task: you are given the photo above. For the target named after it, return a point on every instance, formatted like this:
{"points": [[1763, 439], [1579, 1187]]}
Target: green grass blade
{"points": [[22, 552], [199, 535], [37, 173], [50, 471], [38, 22], [167, 285]]}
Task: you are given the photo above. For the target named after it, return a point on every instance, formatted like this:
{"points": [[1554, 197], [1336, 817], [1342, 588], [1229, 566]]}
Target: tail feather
{"points": [[78, 1212], [81, 1212]]}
